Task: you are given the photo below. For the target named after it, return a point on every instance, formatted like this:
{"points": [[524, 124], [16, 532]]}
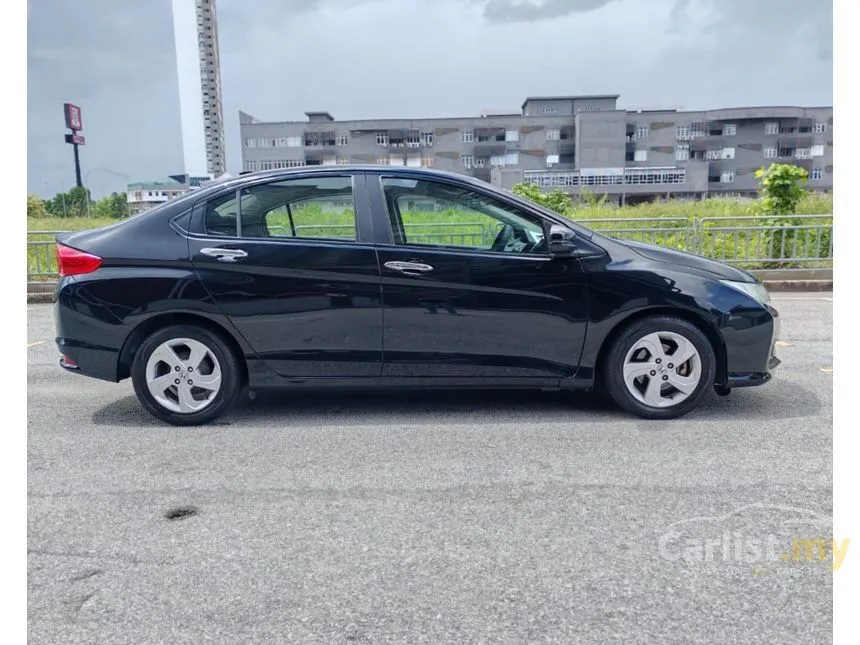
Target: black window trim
{"points": [[544, 222]]}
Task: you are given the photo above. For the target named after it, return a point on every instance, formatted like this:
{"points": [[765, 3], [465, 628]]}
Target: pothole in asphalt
{"points": [[181, 512]]}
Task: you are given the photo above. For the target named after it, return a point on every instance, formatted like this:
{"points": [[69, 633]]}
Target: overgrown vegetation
{"points": [[666, 222]]}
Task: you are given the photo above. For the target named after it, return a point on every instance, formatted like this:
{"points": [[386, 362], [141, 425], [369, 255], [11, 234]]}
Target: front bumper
{"points": [[751, 348]]}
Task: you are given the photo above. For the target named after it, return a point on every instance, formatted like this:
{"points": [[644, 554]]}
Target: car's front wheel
{"points": [[185, 375], [660, 368]]}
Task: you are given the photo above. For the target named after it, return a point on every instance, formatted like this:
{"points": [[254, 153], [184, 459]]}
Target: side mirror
{"points": [[561, 240]]}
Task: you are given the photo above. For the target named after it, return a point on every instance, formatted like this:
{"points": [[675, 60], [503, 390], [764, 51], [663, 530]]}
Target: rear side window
{"points": [[309, 207]]}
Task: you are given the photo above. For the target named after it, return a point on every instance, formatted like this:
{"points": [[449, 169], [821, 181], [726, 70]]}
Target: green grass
{"points": [[476, 230]]}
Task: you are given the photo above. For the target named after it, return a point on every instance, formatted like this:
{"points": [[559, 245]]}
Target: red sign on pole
{"points": [[74, 119]]}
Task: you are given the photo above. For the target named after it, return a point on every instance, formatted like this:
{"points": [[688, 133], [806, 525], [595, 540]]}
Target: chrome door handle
{"points": [[407, 267], [224, 255]]}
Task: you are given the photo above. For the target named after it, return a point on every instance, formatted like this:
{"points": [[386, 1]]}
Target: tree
{"points": [[36, 206], [71, 204], [114, 206], [556, 200], [783, 187]]}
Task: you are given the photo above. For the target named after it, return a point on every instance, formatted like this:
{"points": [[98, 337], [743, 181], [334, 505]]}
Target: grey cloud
{"points": [[784, 21], [506, 11]]}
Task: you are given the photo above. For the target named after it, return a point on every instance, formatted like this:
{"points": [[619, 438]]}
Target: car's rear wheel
{"points": [[659, 368], [185, 375]]}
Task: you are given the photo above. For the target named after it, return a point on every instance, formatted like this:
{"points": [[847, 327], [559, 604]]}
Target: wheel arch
{"points": [[147, 327], [702, 324]]}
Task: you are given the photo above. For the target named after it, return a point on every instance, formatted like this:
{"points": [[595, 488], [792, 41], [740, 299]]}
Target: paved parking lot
{"points": [[433, 518]]}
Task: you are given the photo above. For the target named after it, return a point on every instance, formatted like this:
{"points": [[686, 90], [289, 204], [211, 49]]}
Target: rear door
{"points": [[469, 287], [292, 264]]}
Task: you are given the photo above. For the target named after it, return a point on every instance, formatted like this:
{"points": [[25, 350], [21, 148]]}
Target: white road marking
{"points": [[826, 370], [38, 342]]}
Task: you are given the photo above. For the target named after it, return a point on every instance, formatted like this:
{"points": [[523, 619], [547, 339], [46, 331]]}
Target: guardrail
{"points": [[753, 242]]}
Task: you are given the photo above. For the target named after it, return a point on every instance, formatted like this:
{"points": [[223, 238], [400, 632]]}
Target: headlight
{"points": [[754, 290]]}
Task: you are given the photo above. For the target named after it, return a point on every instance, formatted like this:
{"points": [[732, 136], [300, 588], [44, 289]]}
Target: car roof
{"points": [[374, 168]]}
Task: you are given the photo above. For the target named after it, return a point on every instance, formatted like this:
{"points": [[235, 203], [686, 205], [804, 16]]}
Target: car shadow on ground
{"points": [[420, 407]]}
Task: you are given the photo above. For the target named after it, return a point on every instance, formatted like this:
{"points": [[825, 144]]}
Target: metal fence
{"points": [[753, 242]]}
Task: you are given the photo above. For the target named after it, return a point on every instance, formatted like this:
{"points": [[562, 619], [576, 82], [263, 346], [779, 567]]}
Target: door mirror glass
{"points": [[561, 240]]}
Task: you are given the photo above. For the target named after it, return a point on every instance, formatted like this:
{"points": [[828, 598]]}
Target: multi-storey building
{"points": [[141, 196], [577, 143]]}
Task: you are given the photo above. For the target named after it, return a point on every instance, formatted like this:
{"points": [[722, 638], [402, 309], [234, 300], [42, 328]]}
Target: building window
{"points": [[281, 142], [553, 134], [342, 140], [682, 152], [549, 109], [804, 153], [512, 158], [640, 155], [818, 150], [294, 142], [480, 162], [426, 138], [382, 138], [551, 160], [819, 128], [265, 143], [468, 161], [413, 139], [785, 153], [512, 135], [728, 153], [467, 136], [642, 132], [713, 155], [250, 143], [771, 128], [727, 177], [817, 174], [730, 130], [426, 162], [770, 153], [497, 161]]}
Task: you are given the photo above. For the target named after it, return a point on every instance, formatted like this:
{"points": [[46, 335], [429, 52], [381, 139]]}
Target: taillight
{"points": [[73, 262]]}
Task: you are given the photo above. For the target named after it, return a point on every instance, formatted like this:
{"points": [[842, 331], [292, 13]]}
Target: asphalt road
{"points": [[432, 518]]}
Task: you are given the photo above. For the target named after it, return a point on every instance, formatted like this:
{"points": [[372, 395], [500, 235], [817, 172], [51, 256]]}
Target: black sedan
{"points": [[372, 277]]}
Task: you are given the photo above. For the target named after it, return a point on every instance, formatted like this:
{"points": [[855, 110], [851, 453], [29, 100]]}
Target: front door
{"points": [[292, 266], [470, 289]]}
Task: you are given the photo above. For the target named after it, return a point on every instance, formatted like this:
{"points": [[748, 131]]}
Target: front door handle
{"points": [[408, 267], [225, 255]]}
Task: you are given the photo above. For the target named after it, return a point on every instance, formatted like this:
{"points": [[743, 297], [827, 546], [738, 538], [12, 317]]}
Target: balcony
{"points": [[606, 177]]}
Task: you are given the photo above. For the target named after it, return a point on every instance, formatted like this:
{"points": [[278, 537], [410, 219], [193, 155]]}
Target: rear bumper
{"points": [[97, 362], [79, 356]]}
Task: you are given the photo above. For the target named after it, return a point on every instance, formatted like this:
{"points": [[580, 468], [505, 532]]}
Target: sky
{"points": [[397, 58]]}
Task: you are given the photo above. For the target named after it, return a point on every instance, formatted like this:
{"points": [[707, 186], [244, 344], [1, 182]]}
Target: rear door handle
{"points": [[225, 255], [408, 267]]}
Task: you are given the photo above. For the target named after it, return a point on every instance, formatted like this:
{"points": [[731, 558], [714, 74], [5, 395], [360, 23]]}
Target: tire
{"points": [[165, 358], [642, 382]]}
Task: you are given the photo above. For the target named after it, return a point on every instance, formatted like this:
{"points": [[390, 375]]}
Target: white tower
{"points": [[199, 72]]}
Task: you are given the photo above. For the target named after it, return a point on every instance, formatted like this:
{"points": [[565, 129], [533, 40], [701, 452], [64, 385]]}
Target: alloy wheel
{"points": [[662, 369], [183, 375]]}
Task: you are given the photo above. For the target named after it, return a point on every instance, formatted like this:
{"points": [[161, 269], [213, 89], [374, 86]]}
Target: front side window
{"points": [[311, 207], [435, 214]]}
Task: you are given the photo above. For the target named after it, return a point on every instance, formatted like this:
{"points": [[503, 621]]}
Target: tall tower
{"points": [[210, 86], [199, 74]]}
